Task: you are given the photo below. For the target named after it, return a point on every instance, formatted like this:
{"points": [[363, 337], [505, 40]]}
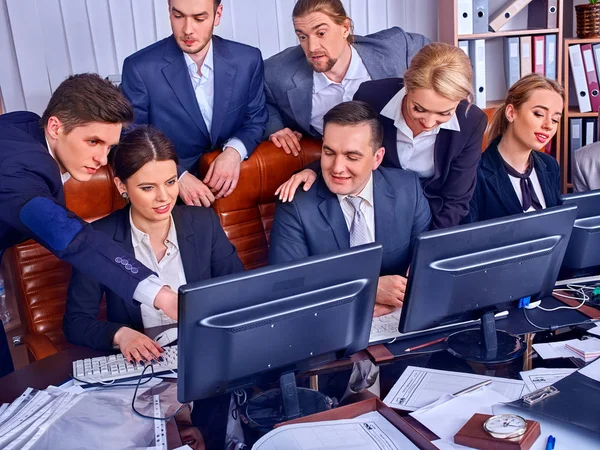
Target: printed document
{"points": [[540, 378]]}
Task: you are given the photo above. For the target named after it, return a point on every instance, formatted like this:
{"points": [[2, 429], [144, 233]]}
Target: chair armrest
{"points": [[39, 346]]}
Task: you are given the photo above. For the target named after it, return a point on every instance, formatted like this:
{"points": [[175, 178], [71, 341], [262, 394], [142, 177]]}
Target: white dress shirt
{"points": [[415, 153], [327, 94], [64, 177], [169, 268], [367, 207], [204, 88], [537, 188]]}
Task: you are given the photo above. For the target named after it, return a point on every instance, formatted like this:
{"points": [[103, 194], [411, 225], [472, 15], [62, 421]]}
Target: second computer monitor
{"points": [[583, 251]]}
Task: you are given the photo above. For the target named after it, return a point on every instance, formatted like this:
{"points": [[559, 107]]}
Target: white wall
{"points": [[44, 41]]}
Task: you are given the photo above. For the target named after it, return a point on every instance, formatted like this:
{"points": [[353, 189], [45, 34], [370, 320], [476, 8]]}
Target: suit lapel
{"points": [[384, 201], [177, 75], [187, 246], [541, 170], [499, 182], [390, 141], [300, 97], [224, 79], [332, 212]]}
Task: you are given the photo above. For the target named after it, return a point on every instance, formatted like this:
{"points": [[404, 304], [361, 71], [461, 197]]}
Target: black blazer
{"points": [[205, 252], [456, 154], [495, 196]]}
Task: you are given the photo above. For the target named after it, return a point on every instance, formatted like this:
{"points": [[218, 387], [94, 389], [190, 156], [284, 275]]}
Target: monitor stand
{"points": [[274, 406], [486, 345]]}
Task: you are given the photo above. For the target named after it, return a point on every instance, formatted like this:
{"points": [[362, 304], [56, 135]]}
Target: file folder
{"points": [[539, 57], [480, 16], [552, 14], [512, 66], [506, 13], [477, 54], [575, 141], [551, 56], [579, 79], [591, 76], [543, 14], [525, 55], [465, 19], [590, 131], [464, 46], [596, 51]]}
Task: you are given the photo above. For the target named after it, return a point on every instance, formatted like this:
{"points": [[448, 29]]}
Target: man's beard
{"points": [[328, 66], [194, 51]]}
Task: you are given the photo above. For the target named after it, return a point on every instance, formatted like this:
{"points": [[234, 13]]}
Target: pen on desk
{"points": [[473, 388], [551, 443], [426, 344]]}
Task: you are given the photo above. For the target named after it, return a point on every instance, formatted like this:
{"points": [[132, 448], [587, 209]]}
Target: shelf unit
{"points": [[570, 111], [448, 32]]}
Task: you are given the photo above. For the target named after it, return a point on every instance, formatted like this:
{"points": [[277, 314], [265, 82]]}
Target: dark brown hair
{"points": [[137, 147], [356, 113], [87, 98], [334, 9]]}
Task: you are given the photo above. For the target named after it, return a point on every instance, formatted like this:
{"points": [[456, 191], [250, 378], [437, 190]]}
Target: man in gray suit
{"points": [[302, 83], [355, 202], [586, 168]]}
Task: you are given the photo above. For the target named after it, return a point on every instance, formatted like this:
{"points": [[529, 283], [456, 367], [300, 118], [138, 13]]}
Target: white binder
{"points": [[512, 61], [551, 56], [578, 71], [465, 16], [480, 16], [477, 55], [464, 46]]}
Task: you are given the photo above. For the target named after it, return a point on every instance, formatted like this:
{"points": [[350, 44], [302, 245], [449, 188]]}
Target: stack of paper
{"points": [[587, 349]]}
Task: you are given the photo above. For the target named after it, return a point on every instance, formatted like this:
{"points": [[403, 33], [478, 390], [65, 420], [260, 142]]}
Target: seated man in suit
{"points": [[586, 168], [204, 93], [302, 83], [354, 202]]}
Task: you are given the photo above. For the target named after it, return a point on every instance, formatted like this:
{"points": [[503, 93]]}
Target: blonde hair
{"points": [[518, 94], [334, 9], [444, 68]]}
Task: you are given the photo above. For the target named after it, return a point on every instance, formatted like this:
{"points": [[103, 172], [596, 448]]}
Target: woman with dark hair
{"points": [[182, 244]]}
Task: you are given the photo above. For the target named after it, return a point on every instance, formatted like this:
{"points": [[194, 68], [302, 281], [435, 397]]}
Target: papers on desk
{"points": [[573, 348], [418, 387], [586, 349], [553, 350], [592, 370], [385, 328], [538, 378], [595, 331], [370, 431]]}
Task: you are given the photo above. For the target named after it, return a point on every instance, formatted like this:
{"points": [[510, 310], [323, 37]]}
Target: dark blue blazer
{"points": [[205, 252], [313, 223], [157, 83], [456, 154], [33, 207], [495, 196]]}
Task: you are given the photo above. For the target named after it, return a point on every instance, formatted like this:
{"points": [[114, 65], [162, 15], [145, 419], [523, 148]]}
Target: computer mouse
{"points": [[166, 337]]}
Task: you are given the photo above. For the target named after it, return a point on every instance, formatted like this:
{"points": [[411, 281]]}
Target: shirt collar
{"points": [[208, 61], [64, 177], [356, 70], [393, 110], [366, 194], [137, 235]]}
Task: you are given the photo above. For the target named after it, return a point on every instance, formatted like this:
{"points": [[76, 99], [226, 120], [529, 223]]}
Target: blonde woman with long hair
{"points": [[430, 127]]}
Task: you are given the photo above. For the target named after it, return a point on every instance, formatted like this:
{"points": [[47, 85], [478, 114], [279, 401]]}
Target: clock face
{"points": [[505, 426]]}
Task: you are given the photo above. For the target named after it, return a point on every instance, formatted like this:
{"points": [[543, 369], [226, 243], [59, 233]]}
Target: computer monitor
{"points": [[471, 271], [583, 251], [237, 329]]}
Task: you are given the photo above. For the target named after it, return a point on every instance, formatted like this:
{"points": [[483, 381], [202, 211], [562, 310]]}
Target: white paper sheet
{"points": [[592, 370], [385, 327], [370, 431], [595, 331], [538, 378], [554, 350], [418, 387]]}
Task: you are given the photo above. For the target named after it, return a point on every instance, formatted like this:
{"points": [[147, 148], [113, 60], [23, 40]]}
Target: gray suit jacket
{"points": [[313, 223], [586, 168], [289, 76]]}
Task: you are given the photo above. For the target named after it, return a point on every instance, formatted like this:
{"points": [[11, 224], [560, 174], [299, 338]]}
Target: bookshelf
{"points": [[571, 111], [533, 25]]}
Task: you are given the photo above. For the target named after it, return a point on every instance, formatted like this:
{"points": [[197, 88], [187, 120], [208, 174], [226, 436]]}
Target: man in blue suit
{"points": [[203, 92], [354, 201], [302, 83], [72, 139]]}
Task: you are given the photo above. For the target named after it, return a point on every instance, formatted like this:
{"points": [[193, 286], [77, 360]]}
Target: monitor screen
{"points": [[461, 273], [237, 328], [583, 251]]}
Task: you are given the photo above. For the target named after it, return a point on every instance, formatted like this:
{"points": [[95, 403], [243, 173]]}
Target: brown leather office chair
{"points": [[39, 280], [247, 214]]}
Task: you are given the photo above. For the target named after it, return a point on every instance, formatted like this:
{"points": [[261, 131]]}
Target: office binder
{"points": [[543, 14], [464, 46], [506, 13], [525, 55], [480, 16], [551, 56], [477, 55], [591, 76], [575, 141], [552, 14], [590, 131], [539, 57], [579, 79], [465, 19], [596, 51], [512, 65]]}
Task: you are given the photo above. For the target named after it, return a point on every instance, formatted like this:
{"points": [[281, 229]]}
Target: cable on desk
{"points": [[533, 324]]}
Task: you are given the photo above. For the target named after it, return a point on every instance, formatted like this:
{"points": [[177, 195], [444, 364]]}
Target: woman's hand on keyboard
{"points": [[137, 347]]}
